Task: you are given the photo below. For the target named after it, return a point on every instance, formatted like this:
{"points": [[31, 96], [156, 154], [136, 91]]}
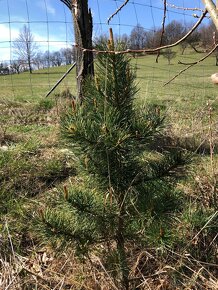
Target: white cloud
{"points": [[7, 34]]}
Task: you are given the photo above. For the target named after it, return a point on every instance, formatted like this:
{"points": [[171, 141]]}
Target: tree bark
{"points": [[83, 36], [212, 9]]}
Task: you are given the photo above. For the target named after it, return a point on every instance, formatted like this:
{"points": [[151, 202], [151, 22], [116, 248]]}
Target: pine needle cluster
{"points": [[130, 185]]}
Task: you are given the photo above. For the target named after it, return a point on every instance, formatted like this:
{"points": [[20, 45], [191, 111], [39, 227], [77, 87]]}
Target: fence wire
{"points": [[51, 25]]}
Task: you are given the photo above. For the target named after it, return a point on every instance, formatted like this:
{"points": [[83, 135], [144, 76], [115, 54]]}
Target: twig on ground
{"points": [[35, 274], [105, 271]]}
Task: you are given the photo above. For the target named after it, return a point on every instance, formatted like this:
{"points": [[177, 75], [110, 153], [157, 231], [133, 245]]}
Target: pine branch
{"points": [[168, 166], [86, 202]]}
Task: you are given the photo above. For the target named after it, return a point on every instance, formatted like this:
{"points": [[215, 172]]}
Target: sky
{"points": [[50, 21]]}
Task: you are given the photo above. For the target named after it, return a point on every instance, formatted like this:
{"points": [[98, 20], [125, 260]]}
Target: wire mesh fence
{"points": [[50, 25], [50, 37]]}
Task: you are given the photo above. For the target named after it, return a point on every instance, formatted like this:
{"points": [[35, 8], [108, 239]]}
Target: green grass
{"points": [[187, 98], [35, 166], [189, 91], [28, 87]]}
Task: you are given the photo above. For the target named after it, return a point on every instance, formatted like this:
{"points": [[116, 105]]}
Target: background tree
{"points": [[153, 38], [39, 60], [173, 32], [193, 40], [125, 40], [138, 37], [25, 47], [56, 58], [16, 66], [47, 59], [169, 54], [68, 54], [4, 69], [98, 40], [207, 34]]}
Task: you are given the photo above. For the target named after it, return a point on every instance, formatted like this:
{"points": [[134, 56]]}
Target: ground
{"points": [[35, 163]]}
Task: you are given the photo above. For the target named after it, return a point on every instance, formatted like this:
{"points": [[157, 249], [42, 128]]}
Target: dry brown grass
{"points": [[43, 269]]}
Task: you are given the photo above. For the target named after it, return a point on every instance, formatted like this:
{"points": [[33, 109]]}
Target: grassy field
{"points": [[31, 87], [35, 164]]}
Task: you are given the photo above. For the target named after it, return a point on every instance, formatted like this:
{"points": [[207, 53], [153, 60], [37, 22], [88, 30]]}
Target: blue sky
{"points": [[149, 13], [50, 21]]}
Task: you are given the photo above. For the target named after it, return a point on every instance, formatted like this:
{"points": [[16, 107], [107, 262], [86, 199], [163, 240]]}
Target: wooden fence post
{"points": [[83, 37]]}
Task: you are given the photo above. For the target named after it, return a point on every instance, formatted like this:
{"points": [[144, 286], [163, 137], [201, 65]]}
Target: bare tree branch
{"points": [[184, 8], [68, 3], [186, 63], [163, 28], [152, 49], [192, 64], [211, 8], [121, 7]]}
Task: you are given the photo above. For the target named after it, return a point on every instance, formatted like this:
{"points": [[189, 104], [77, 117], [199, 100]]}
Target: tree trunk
{"points": [[83, 37]]}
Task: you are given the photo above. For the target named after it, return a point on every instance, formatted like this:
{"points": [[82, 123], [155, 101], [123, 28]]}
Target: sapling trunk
{"points": [[122, 254]]}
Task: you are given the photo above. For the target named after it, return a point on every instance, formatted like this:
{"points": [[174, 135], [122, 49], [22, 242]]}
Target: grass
{"points": [[190, 91], [35, 166], [27, 87]]}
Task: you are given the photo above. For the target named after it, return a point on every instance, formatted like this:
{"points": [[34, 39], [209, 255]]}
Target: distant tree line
{"points": [[200, 40], [29, 57], [64, 56], [41, 60], [140, 38]]}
